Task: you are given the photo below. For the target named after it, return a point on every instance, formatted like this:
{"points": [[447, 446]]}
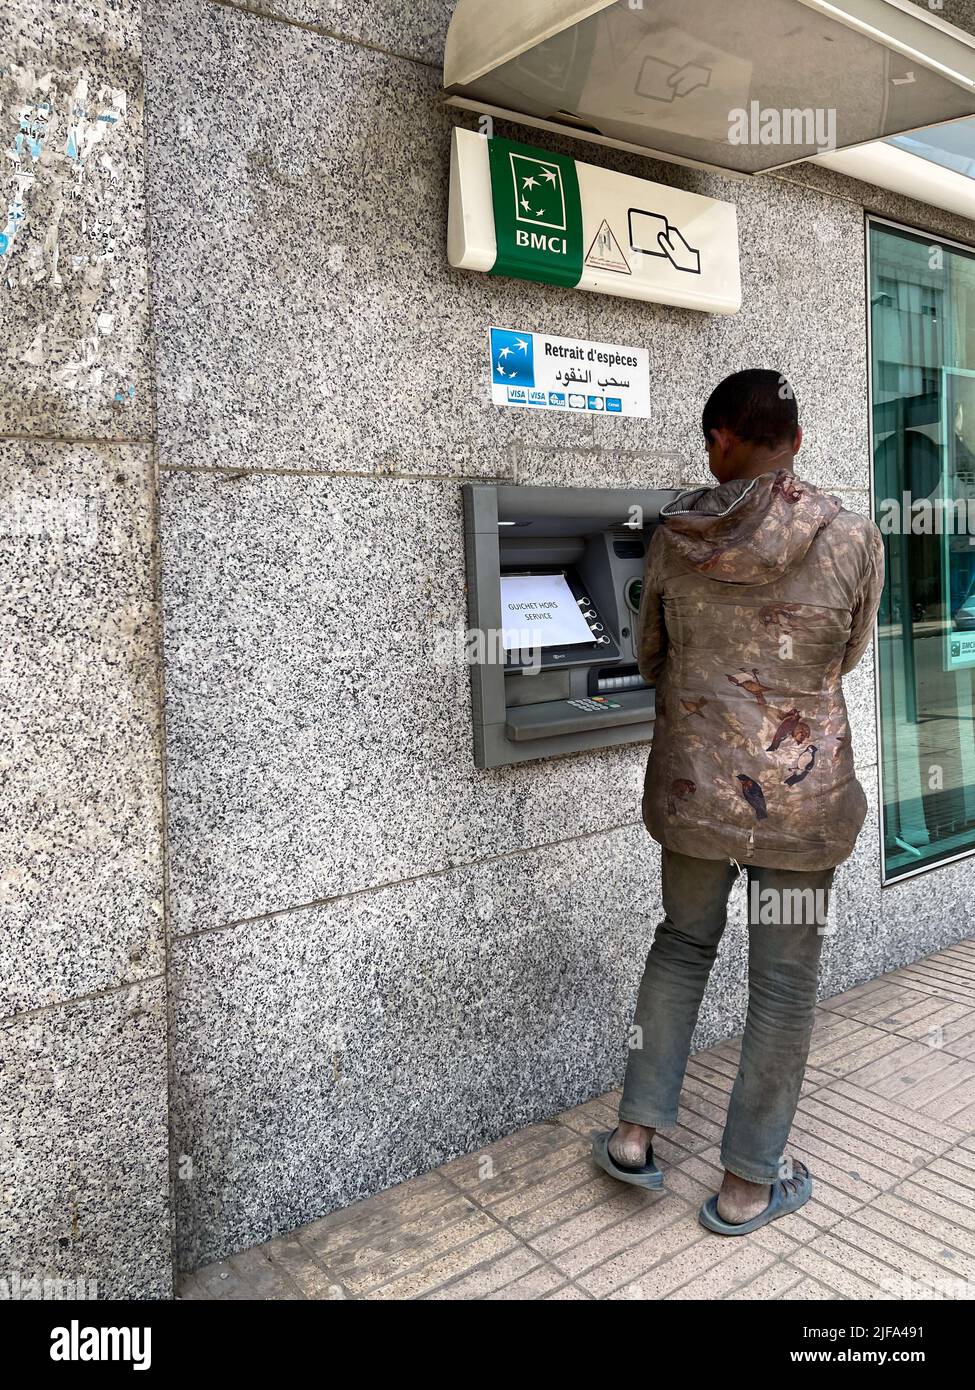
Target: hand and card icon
{"points": [[653, 235], [665, 81]]}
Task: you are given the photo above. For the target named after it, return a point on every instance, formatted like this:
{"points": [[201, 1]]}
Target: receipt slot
{"points": [[554, 577]]}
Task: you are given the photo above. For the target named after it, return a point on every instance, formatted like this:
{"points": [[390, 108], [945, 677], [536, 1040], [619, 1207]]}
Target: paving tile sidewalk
{"points": [[886, 1123]]}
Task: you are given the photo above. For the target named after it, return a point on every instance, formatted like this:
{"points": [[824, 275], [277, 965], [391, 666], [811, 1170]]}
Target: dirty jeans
{"points": [[783, 966]]}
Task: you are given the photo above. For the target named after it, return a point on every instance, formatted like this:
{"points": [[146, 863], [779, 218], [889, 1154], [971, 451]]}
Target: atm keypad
{"points": [[593, 706]]}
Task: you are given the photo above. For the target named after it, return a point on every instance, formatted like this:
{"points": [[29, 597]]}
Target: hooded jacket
{"points": [[759, 595]]}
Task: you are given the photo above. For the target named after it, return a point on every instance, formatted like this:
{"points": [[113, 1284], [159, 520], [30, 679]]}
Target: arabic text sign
{"points": [[536, 371]]}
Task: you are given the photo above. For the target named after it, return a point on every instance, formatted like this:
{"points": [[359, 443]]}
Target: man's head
{"points": [[751, 424]]}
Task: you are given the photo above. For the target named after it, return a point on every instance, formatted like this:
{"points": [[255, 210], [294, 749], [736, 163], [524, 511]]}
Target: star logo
{"points": [[522, 346], [539, 194], [512, 357]]}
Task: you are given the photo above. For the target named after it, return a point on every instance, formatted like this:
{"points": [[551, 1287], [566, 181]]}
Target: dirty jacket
{"points": [[758, 596]]}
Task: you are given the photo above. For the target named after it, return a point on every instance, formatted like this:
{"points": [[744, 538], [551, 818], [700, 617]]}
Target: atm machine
{"points": [[554, 578]]}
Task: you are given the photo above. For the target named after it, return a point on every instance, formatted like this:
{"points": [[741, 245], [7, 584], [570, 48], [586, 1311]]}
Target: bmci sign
{"points": [[537, 241], [537, 214], [527, 214]]}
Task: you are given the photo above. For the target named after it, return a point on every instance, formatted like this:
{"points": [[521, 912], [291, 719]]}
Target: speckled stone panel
{"points": [[73, 276], [84, 1146], [961, 13], [433, 995], [305, 625], [925, 217], [304, 313], [80, 746], [856, 945], [417, 28], [319, 720], [330, 1053], [927, 912], [877, 929], [622, 462]]}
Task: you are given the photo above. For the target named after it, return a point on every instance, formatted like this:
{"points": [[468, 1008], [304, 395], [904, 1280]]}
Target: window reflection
{"points": [[922, 306]]}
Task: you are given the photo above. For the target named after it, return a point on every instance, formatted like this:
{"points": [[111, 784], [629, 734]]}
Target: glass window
{"points": [[922, 321], [952, 146]]}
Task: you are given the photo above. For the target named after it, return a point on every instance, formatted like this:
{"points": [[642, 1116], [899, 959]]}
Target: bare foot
{"points": [[628, 1146], [740, 1201]]}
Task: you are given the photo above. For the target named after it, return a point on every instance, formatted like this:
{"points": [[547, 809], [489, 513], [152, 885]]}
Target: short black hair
{"points": [[758, 406]]}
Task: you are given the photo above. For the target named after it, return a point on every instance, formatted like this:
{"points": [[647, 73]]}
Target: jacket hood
{"points": [[748, 531]]}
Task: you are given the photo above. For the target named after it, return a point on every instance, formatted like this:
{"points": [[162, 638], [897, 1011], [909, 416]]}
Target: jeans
{"points": [[783, 968]]}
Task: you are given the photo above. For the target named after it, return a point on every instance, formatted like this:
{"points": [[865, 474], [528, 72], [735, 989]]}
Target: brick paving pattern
{"points": [[886, 1124]]}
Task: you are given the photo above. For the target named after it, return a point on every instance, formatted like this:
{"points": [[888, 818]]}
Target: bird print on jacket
{"points": [[780, 616], [784, 617], [786, 486], [802, 766], [754, 795], [787, 727], [751, 757], [752, 686]]}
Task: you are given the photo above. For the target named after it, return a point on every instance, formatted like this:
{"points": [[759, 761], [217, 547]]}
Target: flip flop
{"points": [[647, 1176], [788, 1194]]}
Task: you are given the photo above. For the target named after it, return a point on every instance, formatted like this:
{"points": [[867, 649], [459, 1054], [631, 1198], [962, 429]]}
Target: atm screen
{"points": [[540, 610]]}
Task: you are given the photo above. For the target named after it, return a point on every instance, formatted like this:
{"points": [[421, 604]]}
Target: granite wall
{"points": [[83, 1027], [382, 957], [377, 956]]}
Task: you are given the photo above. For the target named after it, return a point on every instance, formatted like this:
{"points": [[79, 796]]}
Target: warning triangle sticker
{"points": [[605, 253]]}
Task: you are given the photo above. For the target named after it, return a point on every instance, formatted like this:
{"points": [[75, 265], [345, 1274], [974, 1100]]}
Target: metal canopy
{"points": [[741, 86]]}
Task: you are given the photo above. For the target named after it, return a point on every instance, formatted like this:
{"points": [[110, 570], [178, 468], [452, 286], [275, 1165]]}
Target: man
{"points": [[759, 595]]}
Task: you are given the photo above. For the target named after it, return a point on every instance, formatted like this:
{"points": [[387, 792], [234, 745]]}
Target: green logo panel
{"points": [[537, 214]]}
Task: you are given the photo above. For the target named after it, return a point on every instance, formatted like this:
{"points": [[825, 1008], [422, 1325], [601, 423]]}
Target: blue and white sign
{"points": [[512, 358], [537, 371]]}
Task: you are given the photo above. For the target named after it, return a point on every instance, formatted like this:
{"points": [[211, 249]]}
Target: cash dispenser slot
{"points": [[617, 678], [554, 575]]}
